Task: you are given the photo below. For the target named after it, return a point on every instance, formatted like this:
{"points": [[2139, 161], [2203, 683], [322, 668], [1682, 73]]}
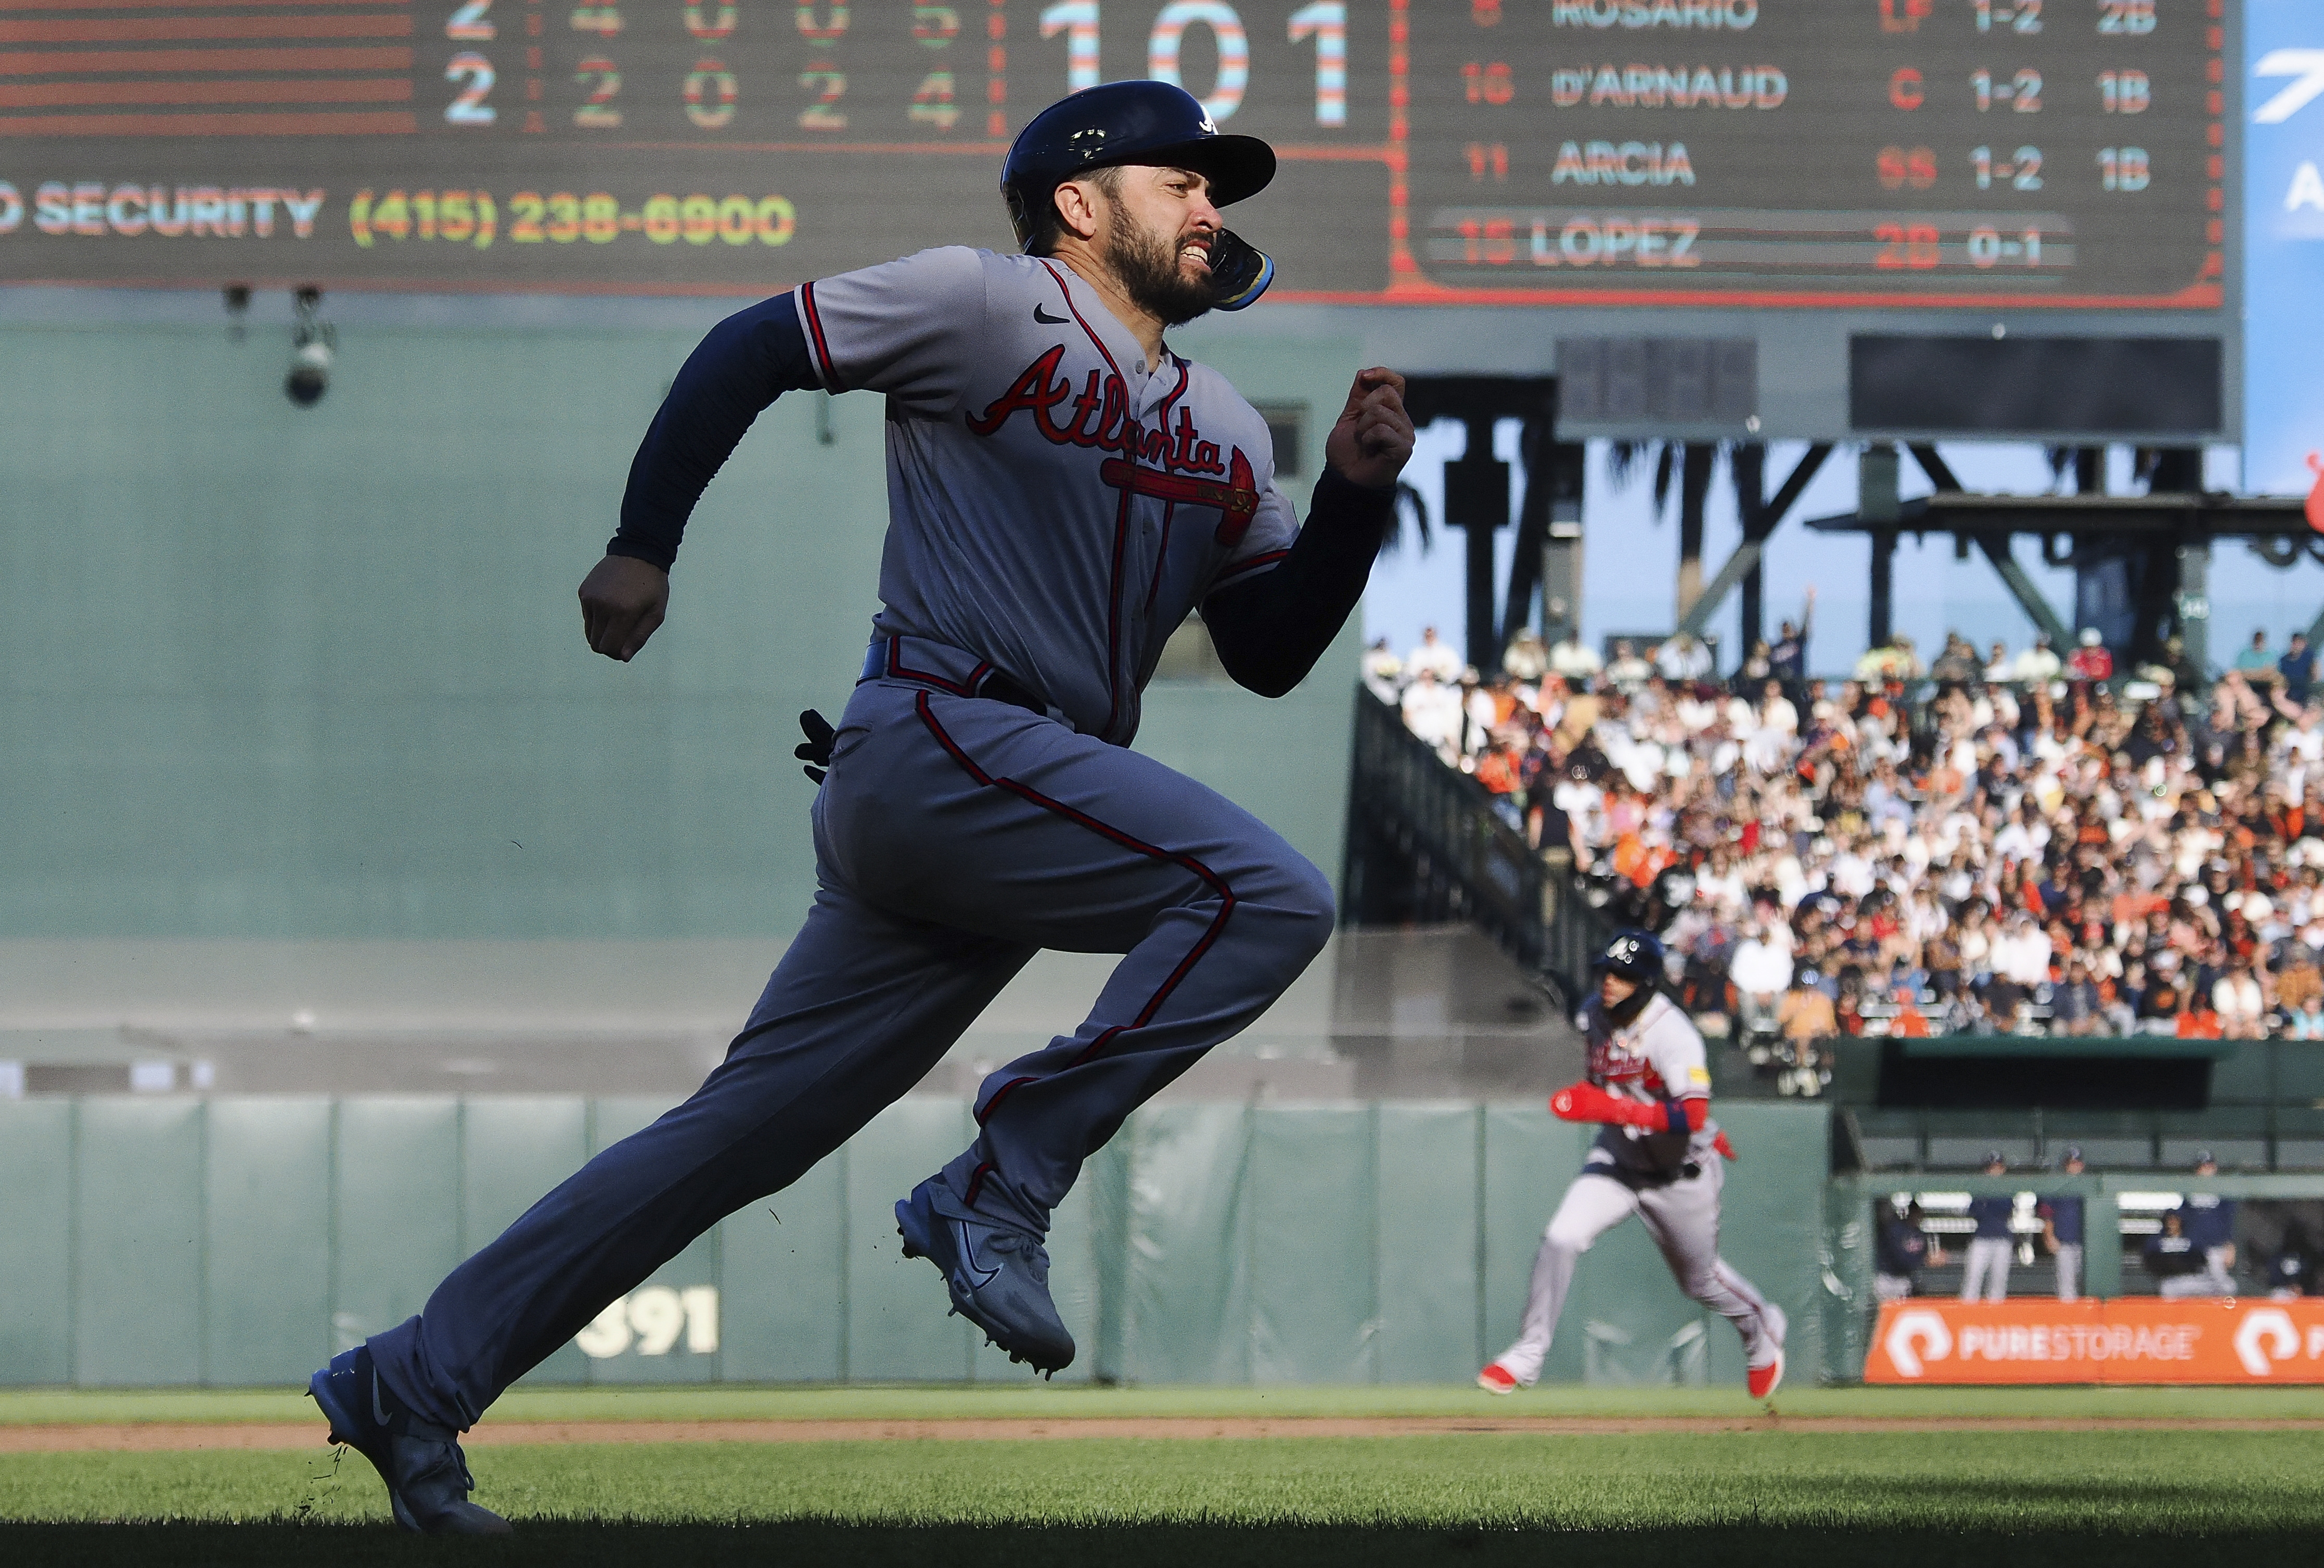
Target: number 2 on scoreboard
{"points": [[470, 108], [469, 26]]}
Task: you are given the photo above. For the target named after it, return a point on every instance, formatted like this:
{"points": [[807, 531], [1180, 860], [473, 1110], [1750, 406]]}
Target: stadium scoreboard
{"points": [[1972, 155]]}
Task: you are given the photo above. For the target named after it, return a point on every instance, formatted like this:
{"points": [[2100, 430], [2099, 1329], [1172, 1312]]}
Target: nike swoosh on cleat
{"points": [[976, 1271], [1048, 320]]}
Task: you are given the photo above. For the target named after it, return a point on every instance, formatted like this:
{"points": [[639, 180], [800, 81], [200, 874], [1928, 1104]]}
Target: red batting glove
{"points": [[1726, 1149], [1588, 1102]]}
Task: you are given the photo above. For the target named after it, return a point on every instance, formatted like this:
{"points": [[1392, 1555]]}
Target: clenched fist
{"points": [[622, 601], [1373, 438]]}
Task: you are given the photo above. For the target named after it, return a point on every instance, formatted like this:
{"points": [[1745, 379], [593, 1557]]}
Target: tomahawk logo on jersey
{"points": [[1657, 1056], [1645, 1061], [994, 366]]}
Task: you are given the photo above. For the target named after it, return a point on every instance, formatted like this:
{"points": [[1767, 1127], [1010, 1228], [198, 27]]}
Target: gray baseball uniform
{"points": [[1057, 506], [1672, 1183]]}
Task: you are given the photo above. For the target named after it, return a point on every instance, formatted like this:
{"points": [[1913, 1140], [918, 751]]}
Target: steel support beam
{"points": [[2191, 605], [1747, 466], [1882, 627], [2028, 595], [1747, 553], [2020, 585]]}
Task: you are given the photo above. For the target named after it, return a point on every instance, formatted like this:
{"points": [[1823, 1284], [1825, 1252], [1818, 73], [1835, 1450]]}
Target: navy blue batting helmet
{"points": [[1140, 122], [1633, 955]]}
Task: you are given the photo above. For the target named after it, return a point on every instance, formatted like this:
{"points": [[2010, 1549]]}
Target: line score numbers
{"points": [[801, 52]]}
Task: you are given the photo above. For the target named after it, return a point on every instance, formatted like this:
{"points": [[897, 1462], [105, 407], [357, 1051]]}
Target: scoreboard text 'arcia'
{"points": [[1945, 153]]}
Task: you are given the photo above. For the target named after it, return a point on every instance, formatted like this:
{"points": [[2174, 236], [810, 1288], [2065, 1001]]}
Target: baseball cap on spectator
{"points": [[2202, 1157], [1993, 1157]]}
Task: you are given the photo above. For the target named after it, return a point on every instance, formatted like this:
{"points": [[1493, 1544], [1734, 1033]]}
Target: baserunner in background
{"points": [[1660, 1157]]}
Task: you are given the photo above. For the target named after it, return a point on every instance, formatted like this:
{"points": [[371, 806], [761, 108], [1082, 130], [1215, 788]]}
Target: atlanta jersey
{"points": [[1656, 1057], [1056, 505]]}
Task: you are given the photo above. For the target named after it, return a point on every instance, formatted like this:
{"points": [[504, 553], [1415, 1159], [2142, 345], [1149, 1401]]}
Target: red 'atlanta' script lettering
{"points": [[1100, 418]]}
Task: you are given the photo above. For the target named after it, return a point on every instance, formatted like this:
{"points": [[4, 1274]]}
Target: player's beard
{"points": [[1149, 272]]}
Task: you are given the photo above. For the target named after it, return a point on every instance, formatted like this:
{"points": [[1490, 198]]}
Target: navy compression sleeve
{"points": [[738, 371], [1270, 631]]}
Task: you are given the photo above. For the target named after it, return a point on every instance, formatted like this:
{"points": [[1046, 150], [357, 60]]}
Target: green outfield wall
{"points": [[242, 1240], [281, 673]]}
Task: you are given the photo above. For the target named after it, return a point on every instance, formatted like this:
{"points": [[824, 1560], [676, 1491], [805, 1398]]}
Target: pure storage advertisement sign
{"points": [[2283, 206], [2132, 1340]]}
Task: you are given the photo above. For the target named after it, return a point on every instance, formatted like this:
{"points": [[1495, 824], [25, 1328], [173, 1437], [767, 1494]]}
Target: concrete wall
{"points": [[278, 673]]}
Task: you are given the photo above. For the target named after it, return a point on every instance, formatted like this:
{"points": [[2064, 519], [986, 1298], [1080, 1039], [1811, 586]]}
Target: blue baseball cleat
{"points": [[426, 1475], [999, 1279]]}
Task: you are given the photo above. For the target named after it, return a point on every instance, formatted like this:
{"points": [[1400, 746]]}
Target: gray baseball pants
{"points": [[1682, 1217], [2070, 1270], [1984, 1273], [2214, 1280], [955, 837]]}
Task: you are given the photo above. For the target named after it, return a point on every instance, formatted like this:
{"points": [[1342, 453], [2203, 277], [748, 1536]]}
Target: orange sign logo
{"points": [[2316, 496], [2128, 1340]]}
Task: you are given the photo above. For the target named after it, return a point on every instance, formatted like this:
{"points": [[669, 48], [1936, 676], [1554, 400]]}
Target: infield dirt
{"points": [[160, 1436]]}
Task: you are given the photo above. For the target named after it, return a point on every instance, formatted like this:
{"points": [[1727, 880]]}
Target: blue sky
{"points": [[1630, 560]]}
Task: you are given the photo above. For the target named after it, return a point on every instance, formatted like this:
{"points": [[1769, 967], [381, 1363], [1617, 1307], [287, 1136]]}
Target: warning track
{"points": [[164, 1436]]}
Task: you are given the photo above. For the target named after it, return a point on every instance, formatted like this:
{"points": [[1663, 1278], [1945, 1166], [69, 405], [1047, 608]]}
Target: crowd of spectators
{"points": [[1987, 842]]}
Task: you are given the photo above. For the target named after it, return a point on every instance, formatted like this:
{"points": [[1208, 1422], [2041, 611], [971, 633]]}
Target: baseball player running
{"points": [[1660, 1157], [1063, 490]]}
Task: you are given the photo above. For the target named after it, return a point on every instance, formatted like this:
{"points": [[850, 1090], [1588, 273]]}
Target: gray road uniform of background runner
{"points": [[1670, 1182], [1057, 506]]}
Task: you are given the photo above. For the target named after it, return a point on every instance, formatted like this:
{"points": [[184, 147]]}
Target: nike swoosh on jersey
{"points": [[1047, 320]]}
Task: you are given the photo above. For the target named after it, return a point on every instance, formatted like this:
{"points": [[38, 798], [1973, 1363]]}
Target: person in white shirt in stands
{"points": [[1434, 656], [1761, 971], [1433, 711], [1626, 669], [2022, 954], [1526, 658], [1683, 658], [2037, 665], [2303, 750], [2025, 836], [1383, 671], [1478, 710], [1720, 884], [2236, 997], [1997, 668], [1575, 660], [1850, 870]]}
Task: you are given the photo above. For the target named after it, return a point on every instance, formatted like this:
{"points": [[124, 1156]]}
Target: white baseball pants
{"points": [[1986, 1275], [1683, 1220]]}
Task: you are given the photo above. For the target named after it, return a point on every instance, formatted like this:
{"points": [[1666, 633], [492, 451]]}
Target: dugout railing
{"points": [[1427, 844]]}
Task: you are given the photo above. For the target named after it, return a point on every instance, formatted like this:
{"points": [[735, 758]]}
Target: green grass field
{"points": [[1789, 1493]]}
